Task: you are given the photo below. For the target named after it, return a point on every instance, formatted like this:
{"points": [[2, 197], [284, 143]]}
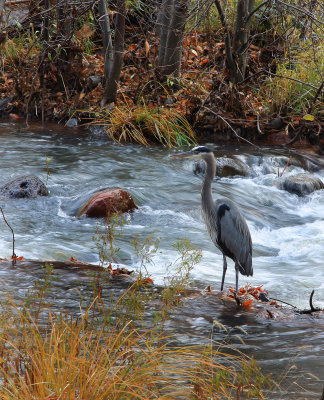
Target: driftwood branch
{"points": [[312, 308]]}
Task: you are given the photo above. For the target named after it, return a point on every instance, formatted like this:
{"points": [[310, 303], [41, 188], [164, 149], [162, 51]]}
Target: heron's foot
{"points": [[238, 300]]}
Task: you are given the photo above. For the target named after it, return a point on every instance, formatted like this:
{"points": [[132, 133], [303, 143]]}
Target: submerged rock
{"points": [[225, 167], [27, 186], [108, 202], [301, 184]]}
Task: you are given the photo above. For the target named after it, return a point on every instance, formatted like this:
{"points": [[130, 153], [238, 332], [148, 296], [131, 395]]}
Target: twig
{"points": [[258, 125], [311, 301], [284, 302], [292, 79], [238, 136], [14, 257], [315, 98], [293, 140], [287, 163]]}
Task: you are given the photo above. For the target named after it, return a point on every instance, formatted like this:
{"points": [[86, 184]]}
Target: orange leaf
{"points": [[131, 47], [146, 281], [247, 303], [205, 61], [147, 47]]}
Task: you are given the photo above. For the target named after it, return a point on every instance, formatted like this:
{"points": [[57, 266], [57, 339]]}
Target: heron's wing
{"points": [[233, 235]]}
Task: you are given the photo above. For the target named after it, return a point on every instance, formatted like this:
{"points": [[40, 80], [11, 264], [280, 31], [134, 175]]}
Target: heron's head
{"points": [[199, 152]]}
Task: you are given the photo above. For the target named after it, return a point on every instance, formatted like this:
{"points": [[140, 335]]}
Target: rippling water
{"points": [[287, 230]]}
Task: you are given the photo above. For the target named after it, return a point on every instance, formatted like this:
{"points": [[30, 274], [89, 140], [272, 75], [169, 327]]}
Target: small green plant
{"points": [[178, 280], [299, 75], [145, 252], [105, 239]]}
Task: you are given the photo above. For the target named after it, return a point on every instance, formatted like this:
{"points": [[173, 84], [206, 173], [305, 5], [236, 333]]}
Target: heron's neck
{"points": [[206, 189]]}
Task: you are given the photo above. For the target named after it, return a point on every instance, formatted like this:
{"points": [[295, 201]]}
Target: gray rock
{"points": [[231, 167], [301, 184], [92, 82], [4, 103], [72, 123], [225, 167], [28, 186]]}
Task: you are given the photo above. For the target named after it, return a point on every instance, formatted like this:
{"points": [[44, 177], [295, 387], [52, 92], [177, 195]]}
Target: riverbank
{"points": [[276, 104]]}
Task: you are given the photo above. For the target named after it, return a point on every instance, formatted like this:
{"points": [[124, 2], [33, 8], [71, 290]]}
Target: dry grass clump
{"points": [[147, 125], [86, 357]]}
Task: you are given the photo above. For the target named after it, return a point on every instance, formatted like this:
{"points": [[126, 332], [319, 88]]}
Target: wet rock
{"points": [[108, 202], [301, 184], [225, 167], [72, 123], [28, 186], [92, 82], [275, 124], [5, 105]]}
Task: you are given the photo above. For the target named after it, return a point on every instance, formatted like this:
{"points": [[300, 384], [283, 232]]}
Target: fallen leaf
{"points": [[147, 281], [247, 303], [308, 117], [147, 47]]}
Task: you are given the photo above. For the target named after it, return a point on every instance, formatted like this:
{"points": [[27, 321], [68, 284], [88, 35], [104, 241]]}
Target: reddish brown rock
{"points": [[108, 202]]}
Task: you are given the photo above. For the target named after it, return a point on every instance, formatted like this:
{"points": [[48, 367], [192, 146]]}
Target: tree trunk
{"points": [[237, 48], [173, 24], [163, 27], [106, 35], [241, 39], [2, 3], [116, 60], [173, 53]]}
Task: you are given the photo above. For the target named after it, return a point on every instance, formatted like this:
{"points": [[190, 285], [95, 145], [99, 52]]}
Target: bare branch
{"points": [[256, 10], [13, 238], [302, 10], [233, 130], [315, 98], [292, 79], [228, 45]]}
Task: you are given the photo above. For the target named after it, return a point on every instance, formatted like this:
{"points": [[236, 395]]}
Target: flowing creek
{"points": [[287, 233]]}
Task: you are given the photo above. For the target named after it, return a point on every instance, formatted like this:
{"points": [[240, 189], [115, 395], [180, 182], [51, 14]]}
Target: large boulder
{"points": [[225, 167], [27, 186], [302, 184], [108, 202]]}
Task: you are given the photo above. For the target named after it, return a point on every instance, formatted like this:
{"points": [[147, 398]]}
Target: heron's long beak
{"points": [[185, 154]]}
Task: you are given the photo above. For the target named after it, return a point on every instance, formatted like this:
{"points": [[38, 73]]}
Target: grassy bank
{"points": [[58, 78], [118, 347]]}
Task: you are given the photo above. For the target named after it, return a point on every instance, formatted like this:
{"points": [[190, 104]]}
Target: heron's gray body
{"points": [[231, 236], [225, 223]]}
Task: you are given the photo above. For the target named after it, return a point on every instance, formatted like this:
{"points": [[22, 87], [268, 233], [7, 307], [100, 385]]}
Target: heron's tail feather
{"points": [[246, 268]]}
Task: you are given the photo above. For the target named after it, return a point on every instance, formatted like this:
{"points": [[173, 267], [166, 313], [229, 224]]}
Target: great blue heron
{"points": [[226, 225]]}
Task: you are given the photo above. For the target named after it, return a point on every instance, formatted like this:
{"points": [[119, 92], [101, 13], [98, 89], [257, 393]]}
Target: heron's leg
{"points": [[224, 271], [236, 276]]}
